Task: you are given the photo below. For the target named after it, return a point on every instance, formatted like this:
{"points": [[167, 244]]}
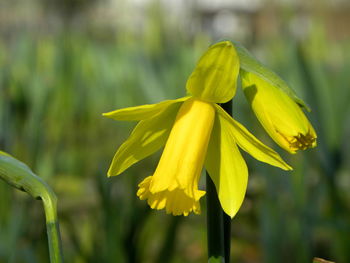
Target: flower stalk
{"points": [[215, 224], [218, 222]]}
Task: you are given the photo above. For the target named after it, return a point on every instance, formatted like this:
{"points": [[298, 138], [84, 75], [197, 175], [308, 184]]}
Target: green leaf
{"points": [[20, 176], [249, 63]]}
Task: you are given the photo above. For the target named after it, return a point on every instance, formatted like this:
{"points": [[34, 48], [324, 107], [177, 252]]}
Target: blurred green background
{"points": [[63, 63]]}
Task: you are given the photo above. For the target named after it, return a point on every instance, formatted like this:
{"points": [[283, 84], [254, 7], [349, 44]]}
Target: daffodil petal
{"points": [[250, 64], [226, 168], [215, 77], [141, 112], [249, 143], [148, 136]]}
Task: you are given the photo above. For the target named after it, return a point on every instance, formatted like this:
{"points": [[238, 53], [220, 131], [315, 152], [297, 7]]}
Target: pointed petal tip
{"points": [[284, 166], [106, 114], [114, 173], [288, 168], [231, 213]]}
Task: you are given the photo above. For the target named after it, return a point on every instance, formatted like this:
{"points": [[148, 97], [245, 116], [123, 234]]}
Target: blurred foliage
{"points": [[54, 87]]}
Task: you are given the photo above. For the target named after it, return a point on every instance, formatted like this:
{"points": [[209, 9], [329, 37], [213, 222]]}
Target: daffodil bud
{"points": [[215, 77], [279, 114]]}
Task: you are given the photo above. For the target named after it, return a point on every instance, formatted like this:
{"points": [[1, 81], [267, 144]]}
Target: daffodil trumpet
{"points": [[195, 133]]}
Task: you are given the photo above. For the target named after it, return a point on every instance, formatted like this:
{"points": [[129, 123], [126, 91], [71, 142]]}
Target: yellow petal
{"points": [[249, 143], [148, 136], [141, 112], [279, 114], [226, 168], [215, 77], [249, 63]]}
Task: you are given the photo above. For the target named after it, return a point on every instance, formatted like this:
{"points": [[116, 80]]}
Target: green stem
{"points": [[53, 231], [227, 236], [168, 247], [215, 225], [218, 222]]}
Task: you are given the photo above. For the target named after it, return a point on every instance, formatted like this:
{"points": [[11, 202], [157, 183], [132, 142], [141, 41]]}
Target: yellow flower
{"points": [[196, 132], [278, 113]]}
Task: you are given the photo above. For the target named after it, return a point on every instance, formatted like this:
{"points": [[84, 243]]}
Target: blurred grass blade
{"points": [[20, 176]]}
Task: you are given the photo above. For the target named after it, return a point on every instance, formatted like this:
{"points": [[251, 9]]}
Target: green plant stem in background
{"points": [[53, 232], [218, 222], [20, 176], [168, 246]]}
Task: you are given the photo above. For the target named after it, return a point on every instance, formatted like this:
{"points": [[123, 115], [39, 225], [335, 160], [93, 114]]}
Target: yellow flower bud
{"points": [[279, 114], [215, 77]]}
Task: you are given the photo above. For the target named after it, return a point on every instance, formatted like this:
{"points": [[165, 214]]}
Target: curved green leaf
{"points": [[20, 176]]}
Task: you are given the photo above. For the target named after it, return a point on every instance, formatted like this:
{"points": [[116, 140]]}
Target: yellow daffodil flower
{"points": [[278, 113], [196, 132]]}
